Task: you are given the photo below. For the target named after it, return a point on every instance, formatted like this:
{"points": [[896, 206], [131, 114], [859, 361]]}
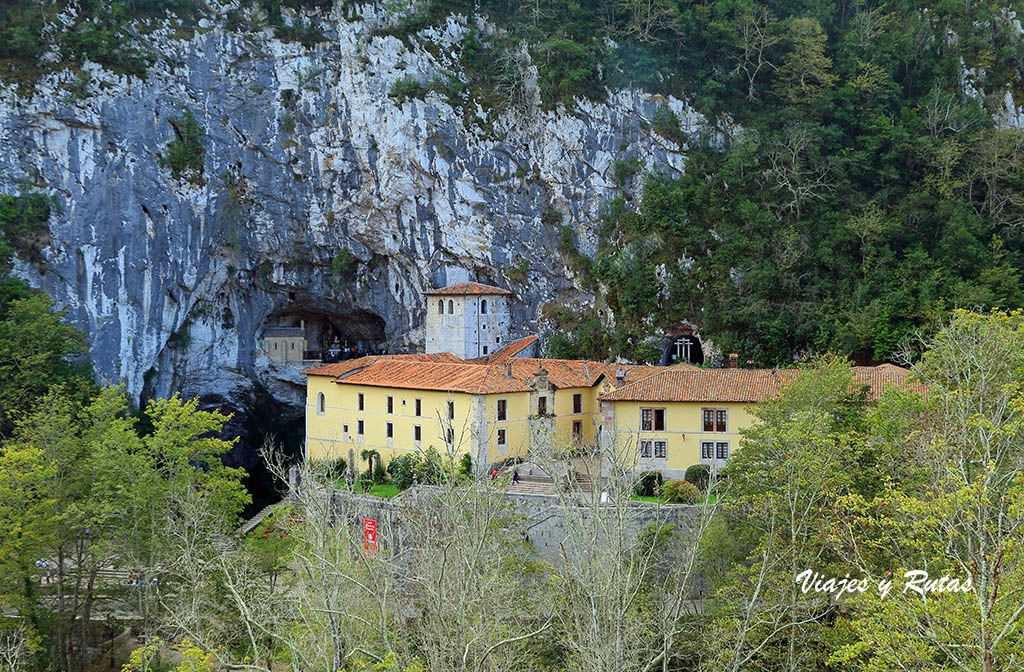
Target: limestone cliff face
{"points": [[306, 154]]}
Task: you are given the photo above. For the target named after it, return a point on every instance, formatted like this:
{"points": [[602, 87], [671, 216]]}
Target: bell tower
{"points": [[468, 320]]}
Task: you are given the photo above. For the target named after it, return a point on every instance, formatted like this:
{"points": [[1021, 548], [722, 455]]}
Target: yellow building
{"points": [[685, 416], [491, 408]]}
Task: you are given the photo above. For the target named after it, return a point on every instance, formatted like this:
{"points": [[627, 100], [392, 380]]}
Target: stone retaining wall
{"points": [[542, 520]]}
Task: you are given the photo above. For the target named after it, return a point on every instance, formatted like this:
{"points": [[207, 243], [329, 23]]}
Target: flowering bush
{"points": [[680, 492]]}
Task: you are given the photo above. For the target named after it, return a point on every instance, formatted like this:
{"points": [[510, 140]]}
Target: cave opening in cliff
{"points": [[308, 333], [681, 345]]}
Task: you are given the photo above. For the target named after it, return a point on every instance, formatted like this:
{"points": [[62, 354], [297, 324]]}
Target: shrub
{"points": [[649, 484], [401, 468], [365, 481], [680, 492], [344, 264], [426, 467], [336, 467], [466, 465], [406, 88], [699, 475], [379, 475], [666, 124], [185, 154]]}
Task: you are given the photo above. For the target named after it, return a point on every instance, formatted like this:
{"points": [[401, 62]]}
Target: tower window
{"points": [[321, 404], [483, 306], [440, 307], [451, 307], [485, 349], [451, 410]]}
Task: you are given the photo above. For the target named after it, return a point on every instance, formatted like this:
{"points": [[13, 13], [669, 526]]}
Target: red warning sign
{"points": [[370, 535]]}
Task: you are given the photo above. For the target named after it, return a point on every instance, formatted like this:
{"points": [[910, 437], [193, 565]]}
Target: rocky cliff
{"points": [[306, 154]]}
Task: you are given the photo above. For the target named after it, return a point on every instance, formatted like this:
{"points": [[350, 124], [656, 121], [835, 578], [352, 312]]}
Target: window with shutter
{"points": [[707, 450]]}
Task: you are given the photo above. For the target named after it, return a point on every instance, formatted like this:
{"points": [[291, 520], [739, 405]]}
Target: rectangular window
{"points": [[359, 427], [502, 410], [391, 430], [721, 420], [419, 407], [660, 449], [709, 419], [646, 419], [361, 402], [485, 349], [451, 410], [542, 405], [391, 404], [577, 403], [645, 449], [707, 450], [577, 430], [344, 429], [722, 450], [417, 433], [501, 437], [659, 419], [449, 436]]}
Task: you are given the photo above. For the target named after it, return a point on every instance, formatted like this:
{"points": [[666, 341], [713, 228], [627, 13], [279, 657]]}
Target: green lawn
{"points": [[385, 490]]}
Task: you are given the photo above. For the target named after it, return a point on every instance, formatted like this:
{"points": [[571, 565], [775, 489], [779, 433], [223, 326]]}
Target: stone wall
{"points": [[541, 520]]}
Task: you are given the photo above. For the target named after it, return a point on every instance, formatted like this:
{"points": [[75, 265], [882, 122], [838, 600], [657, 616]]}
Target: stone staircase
{"points": [[540, 485]]}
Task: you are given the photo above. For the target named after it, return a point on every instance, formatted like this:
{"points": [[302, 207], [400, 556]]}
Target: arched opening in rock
{"points": [[681, 345], [302, 333]]}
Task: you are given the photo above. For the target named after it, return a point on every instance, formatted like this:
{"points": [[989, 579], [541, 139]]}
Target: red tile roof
{"points": [[739, 385], [506, 352], [442, 376], [466, 288], [340, 368]]}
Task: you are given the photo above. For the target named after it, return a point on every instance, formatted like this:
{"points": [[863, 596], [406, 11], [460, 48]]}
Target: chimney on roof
{"points": [[508, 369], [734, 360], [620, 377]]}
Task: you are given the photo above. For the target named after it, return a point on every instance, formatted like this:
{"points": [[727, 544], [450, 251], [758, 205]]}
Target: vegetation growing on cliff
{"points": [[185, 154]]}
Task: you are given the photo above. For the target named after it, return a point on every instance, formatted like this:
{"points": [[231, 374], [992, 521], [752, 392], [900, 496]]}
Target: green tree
{"points": [[38, 351], [961, 517], [805, 72]]}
